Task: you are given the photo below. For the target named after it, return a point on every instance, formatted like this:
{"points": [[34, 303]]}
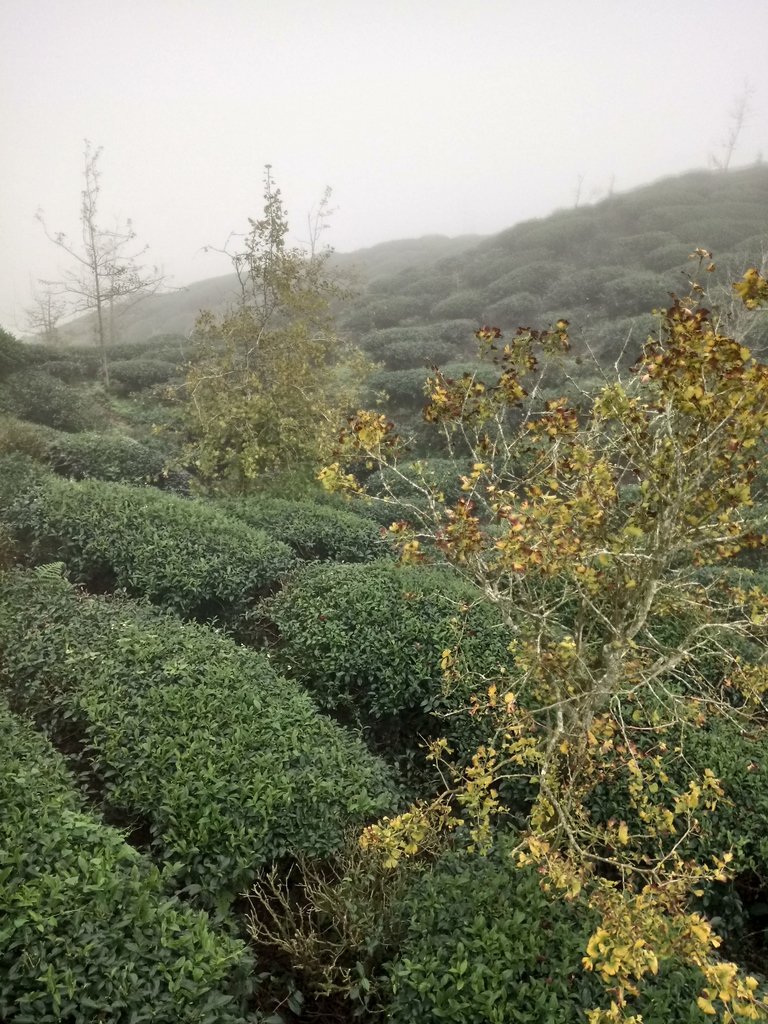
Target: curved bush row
{"points": [[228, 764], [32, 394], [87, 931], [184, 555], [88, 455], [484, 943], [313, 531], [368, 641], [406, 387], [129, 375]]}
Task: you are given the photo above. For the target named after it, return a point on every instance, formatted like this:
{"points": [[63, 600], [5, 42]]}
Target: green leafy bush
{"points": [[313, 531], [484, 943], [367, 640], [442, 473], [87, 931], [402, 347], [71, 370], [25, 438], [185, 555], [406, 387], [12, 353], [229, 765], [104, 457], [34, 395], [129, 375]]}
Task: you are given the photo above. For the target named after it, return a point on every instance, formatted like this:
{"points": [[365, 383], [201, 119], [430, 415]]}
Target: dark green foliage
{"points": [[70, 370], [34, 395], [229, 765], [12, 353], [312, 530], [484, 943], [131, 375], [441, 473], [406, 387], [90, 455], [24, 438], [367, 641], [184, 555], [401, 347], [739, 759], [87, 930], [104, 457]]}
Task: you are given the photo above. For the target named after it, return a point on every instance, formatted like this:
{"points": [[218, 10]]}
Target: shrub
{"points": [[184, 555], [35, 395], [104, 457], [71, 370], [24, 438], [89, 932], [484, 943], [403, 347], [310, 529], [367, 640], [442, 473], [229, 765], [406, 387], [12, 353], [131, 375]]}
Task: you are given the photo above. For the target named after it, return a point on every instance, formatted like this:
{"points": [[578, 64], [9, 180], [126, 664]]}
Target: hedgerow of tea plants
{"points": [[87, 930], [229, 765], [371, 642], [485, 943], [312, 530], [181, 554]]}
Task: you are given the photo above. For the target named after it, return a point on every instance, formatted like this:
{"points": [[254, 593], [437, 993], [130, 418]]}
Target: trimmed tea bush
{"points": [[87, 931], [129, 375], [184, 555], [443, 474], [484, 943], [313, 531], [37, 396], [25, 438], [104, 457], [368, 640], [227, 764]]}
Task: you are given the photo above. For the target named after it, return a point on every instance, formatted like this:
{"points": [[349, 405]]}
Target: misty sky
{"points": [[425, 116]]}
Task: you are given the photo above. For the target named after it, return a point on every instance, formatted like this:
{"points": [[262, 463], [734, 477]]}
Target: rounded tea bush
{"points": [[87, 929], [227, 765], [184, 555], [368, 642], [484, 943], [313, 531]]}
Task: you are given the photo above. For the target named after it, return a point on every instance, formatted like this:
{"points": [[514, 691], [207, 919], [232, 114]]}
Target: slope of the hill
{"points": [[618, 258], [175, 311]]}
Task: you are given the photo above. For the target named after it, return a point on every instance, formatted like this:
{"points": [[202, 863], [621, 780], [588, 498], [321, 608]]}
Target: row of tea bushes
{"points": [[229, 765], [369, 642], [483, 942], [313, 531], [32, 394], [183, 555], [87, 930], [89, 455]]}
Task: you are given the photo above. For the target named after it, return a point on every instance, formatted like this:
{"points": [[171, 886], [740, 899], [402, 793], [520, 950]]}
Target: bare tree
{"points": [[738, 117], [107, 272], [44, 315]]}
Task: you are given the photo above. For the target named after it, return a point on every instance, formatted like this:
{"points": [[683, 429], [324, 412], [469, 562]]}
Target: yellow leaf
{"points": [[705, 1006]]}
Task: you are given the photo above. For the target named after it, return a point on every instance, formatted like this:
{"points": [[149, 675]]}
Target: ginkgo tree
{"points": [[588, 525]]}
